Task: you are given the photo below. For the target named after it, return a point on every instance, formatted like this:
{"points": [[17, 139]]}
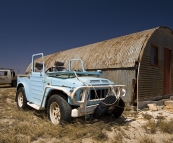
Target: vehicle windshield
{"points": [[71, 74]]}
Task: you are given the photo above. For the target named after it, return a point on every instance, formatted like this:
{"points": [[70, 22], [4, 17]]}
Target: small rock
{"points": [[168, 108], [169, 103], [152, 107]]}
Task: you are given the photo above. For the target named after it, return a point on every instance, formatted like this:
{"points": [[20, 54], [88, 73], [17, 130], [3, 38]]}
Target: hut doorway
{"points": [[167, 71]]}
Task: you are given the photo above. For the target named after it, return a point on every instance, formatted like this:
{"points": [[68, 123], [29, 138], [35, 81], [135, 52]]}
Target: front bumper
{"points": [[84, 109]]}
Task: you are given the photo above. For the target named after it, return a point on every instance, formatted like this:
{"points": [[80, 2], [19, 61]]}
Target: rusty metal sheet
{"points": [[124, 77], [114, 53]]}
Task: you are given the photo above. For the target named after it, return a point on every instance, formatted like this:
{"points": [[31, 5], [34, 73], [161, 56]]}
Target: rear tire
{"points": [[21, 99], [119, 108], [14, 84], [58, 109]]}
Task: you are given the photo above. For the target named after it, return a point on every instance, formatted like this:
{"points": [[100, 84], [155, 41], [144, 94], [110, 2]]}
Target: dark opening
{"points": [[154, 55], [100, 93]]}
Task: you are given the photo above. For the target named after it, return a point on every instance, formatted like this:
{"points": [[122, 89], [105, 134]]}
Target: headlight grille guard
{"points": [[117, 90]]}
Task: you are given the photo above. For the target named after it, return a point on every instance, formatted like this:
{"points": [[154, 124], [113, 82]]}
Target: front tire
{"points": [[58, 109], [21, 99]]}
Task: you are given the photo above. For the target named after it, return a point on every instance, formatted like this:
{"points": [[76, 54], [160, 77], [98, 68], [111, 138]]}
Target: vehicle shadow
{"points": [[106, 119]]}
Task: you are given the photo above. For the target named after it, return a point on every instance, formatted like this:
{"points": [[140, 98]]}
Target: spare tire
{"points": [[103, 106]]}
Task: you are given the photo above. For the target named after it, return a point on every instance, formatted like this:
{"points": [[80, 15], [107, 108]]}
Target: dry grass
{"points": [[118, 138], [31, 125], [166, 126], [146, 139], [124, 134], [150, 126], [147, 116], [160, 118], [128, 113]]}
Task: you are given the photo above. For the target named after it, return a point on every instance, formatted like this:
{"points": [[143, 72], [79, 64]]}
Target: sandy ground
{"points": [[133, 132]]}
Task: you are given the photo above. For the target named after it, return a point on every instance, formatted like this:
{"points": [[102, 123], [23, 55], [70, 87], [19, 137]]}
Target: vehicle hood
{"points": [[80, 81]]}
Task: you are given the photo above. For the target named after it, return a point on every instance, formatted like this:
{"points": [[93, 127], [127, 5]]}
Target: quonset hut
{"points": [[142, 61]]}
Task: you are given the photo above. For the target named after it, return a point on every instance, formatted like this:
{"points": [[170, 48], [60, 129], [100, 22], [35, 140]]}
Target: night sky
{"points": [[47, 26]]}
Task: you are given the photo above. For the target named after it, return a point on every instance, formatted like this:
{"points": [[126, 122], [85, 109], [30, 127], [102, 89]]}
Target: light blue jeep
{"points": [[64, 93]]}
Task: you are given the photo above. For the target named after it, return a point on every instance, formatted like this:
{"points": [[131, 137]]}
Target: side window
{"points": [[154, 55], [5, 73]]}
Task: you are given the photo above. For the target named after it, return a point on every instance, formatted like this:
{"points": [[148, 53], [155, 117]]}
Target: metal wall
{"points": [[172, 71], [151, 78], [121, 52], [123, 77]]}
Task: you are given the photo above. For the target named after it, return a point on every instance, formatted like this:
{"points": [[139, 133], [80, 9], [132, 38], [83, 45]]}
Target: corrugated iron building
{"points": [[142, 61]]}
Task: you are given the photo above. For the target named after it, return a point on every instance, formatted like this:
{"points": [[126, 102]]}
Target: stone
{"points": [[152, 107], [169, 103], [168, 108], [171, 97]]}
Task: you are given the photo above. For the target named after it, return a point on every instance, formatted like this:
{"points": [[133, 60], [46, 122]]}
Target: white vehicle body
{"points": [[65, 93]]}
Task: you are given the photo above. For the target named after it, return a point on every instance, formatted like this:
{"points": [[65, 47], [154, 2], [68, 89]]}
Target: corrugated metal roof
{"points": [[118, 52]]}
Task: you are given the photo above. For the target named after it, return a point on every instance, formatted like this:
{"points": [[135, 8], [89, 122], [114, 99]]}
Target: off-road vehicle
{"points": [[65, 93], [7, 76]]}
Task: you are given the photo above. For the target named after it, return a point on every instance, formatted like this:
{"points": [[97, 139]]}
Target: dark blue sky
{"points": [[49, 26]]}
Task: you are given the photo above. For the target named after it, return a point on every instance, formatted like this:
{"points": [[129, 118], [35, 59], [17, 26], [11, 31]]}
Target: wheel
{"points": [[119, 108], [58, 109], [14, 84], [21, 99], [103, 106]]}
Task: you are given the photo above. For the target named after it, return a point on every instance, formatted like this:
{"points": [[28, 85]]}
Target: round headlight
{"points": [[123, 92]]}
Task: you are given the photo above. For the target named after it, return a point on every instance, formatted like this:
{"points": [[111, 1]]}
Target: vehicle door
{"points": [[4, 77], [37, 78]]}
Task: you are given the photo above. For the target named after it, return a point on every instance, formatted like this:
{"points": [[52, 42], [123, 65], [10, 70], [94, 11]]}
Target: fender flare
{"points": [[23, 85], [43, 99]]}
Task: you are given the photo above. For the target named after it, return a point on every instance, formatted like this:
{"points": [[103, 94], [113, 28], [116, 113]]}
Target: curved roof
{"points": [[118, 52]]}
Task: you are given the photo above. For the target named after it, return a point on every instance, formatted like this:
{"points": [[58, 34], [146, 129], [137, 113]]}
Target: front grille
{"points": [[101, 93]]}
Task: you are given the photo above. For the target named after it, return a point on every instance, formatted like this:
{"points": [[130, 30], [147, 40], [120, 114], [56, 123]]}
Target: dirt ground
{"points": [[33, 126]]}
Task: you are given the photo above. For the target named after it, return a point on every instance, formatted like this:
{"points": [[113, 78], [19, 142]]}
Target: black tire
{"points": [[21, 99], [119, 108], [58, 109], [14, 84], [102, 108]]}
